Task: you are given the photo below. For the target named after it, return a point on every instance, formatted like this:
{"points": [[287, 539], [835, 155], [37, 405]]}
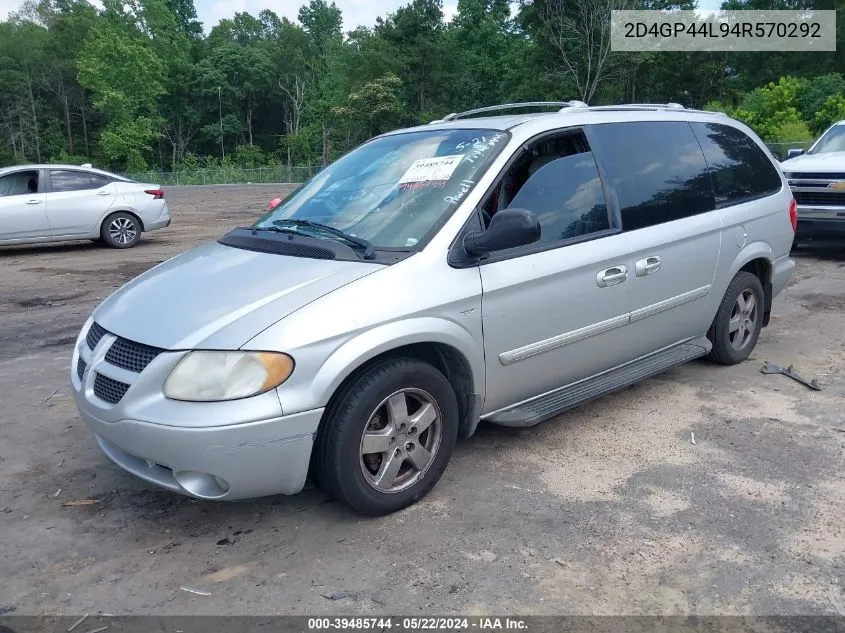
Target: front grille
{"points": [[80, 368], [95, 333], [820, 198], [112, 391], [131, 355], [812, 175]]}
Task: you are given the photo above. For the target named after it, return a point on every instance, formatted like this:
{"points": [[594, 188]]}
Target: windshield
{"points": [[833, 141], [393, 190]]}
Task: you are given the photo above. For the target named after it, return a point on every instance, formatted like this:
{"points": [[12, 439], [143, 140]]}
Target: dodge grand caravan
{"points": [[501, 268]]}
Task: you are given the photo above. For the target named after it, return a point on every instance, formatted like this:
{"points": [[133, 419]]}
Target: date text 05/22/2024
{"points": [[413, 624]]}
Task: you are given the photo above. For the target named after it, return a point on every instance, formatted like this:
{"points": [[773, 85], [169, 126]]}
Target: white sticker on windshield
{"points": [[430, 171]]}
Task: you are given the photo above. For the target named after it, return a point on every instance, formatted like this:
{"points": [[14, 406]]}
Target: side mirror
{"points": [[793, 153], [509, 228]]}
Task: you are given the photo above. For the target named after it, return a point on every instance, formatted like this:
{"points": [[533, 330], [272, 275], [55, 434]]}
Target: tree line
{"points": [[140, 84]]}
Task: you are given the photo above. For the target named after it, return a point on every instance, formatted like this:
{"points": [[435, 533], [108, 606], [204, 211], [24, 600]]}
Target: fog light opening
{"points": [[202, 485]]}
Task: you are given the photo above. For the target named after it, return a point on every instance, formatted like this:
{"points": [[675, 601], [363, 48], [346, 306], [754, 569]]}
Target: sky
{"points": [[355, 12]]}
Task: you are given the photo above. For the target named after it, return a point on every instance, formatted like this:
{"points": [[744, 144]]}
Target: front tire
{"points": [[739, 321], [387, 437], [121, 230]]}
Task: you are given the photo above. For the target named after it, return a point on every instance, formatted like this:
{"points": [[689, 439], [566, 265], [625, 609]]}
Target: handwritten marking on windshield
{"points": [[480, 149], [465, 186]]}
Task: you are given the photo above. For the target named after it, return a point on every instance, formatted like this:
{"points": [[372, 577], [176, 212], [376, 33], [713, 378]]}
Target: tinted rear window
{"points": [[740, 169], [657, 170]]}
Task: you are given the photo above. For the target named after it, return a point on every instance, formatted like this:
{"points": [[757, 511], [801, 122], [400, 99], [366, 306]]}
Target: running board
{"points": [[553, 403]]}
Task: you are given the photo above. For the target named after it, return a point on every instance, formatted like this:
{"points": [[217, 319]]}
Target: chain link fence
{"points": [[780, 149], [284, 174], [226, 176]]}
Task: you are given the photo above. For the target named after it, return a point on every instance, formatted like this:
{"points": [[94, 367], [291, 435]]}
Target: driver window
{"points": [[558, 180], [19, 184]]}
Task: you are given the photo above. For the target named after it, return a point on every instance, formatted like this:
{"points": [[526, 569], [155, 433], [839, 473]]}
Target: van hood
{"points": [[220, 297], [829, 161]]}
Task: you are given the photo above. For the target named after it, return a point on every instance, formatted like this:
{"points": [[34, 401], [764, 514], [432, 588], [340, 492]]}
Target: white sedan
{"points": [[52, 203]]}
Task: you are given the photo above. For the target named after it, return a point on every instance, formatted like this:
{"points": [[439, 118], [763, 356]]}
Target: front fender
{"points": [[365, 346]]}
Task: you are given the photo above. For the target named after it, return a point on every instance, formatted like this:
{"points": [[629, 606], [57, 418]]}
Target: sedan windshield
{"points": [[391, 192], [833, 141]]}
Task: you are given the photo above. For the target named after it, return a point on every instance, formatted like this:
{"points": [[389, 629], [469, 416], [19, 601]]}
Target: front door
{"points": [[23, 206], [554, 312]]}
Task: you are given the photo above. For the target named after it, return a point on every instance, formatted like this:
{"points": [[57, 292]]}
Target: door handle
{"points": [[33, 201], [103, 193], [648, 266], [612, 276]]}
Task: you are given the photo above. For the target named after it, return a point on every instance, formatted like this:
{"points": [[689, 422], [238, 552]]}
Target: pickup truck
{"points": [[817, 180]]}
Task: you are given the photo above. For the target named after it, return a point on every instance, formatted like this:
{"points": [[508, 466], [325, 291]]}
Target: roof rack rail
{"points": [[568, 106], [511, 106], [652, 106]]}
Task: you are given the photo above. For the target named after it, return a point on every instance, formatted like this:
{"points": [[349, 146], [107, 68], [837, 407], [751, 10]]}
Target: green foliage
{"points": [[377, 103], [772, 108], [123, 74], [794, 131], [816, 92], [251, 156], [124, 142], [832, 110], [128, 84]]}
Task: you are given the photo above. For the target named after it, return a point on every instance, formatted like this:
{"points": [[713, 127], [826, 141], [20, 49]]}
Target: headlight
{"points": [[213, 376]]}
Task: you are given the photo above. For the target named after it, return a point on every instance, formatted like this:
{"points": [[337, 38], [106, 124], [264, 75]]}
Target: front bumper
{"points": [[831, 224], [240, 461], [238, 449]]}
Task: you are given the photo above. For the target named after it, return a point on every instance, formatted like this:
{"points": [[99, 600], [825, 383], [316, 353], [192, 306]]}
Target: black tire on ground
{"points": [[737, 325], [121, 230], [398, 389]]}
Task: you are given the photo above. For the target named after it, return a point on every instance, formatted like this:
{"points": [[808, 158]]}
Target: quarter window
{"points": [[657, 169], [69, 180], [98, 181], [740, 169]]}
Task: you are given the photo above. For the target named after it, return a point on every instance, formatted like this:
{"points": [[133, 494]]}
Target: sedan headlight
{"points": [[213, 376]]}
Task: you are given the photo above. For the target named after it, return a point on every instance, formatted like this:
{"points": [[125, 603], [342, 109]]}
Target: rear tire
{"points": [[387, 437], [739, 321], [121, 230]]}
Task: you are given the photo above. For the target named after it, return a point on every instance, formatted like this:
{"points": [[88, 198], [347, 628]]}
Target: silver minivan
{"points": [[501, 268]]}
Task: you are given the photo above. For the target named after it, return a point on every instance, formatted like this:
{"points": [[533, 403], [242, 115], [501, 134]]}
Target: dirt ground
{"points": [[609, 509]]}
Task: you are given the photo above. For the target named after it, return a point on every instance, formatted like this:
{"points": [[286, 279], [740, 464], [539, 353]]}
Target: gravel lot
{"points": [[609, 509]]}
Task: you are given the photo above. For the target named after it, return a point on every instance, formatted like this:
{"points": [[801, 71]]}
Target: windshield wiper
{"points": [[369, 252]]}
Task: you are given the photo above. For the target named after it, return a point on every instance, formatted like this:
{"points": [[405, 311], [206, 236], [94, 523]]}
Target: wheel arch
{"points": [[757, 258], [111, 212], [442, 344]]}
